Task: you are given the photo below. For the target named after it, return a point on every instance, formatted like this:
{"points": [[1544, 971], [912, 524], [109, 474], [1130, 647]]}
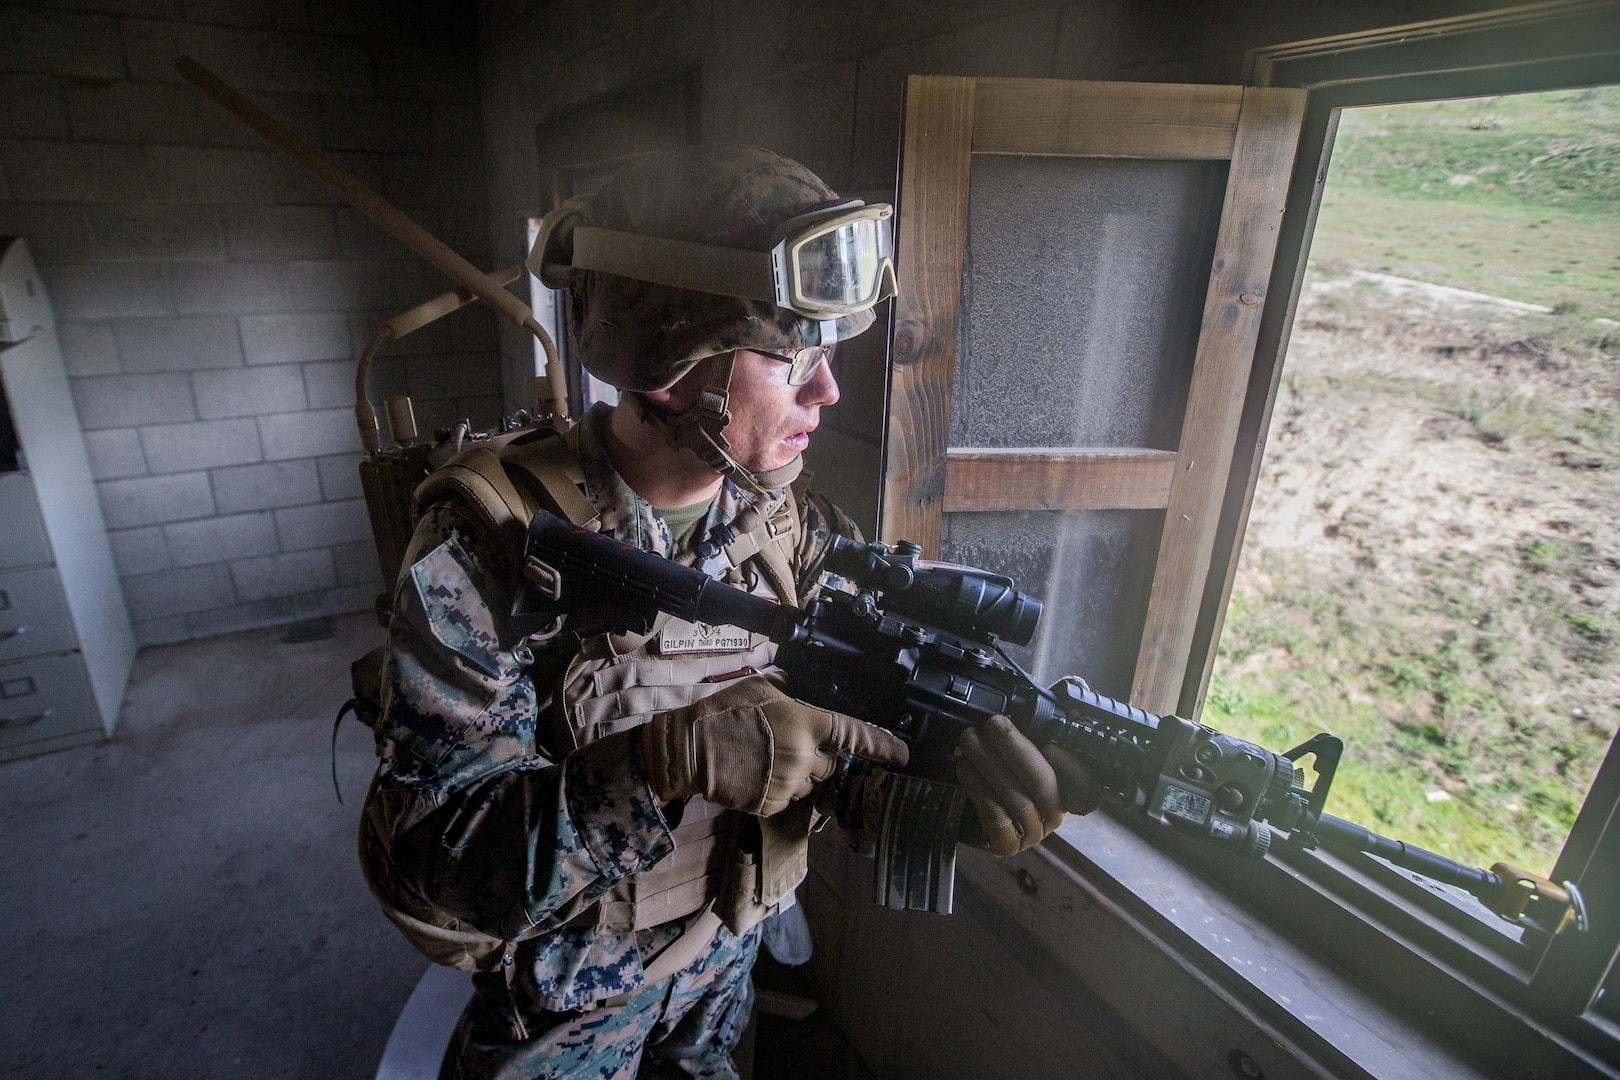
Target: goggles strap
{"points": [[701, 429]]}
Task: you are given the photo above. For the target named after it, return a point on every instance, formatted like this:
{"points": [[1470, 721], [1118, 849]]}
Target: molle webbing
{"points": [[683, 882]]}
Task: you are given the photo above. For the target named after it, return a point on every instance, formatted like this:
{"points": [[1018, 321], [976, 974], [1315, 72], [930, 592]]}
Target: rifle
{"points": [[917, 649]]}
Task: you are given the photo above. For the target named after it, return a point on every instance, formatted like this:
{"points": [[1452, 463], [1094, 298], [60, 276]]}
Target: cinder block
{"points": [[300, 64], [308, 434], [342, 286], [212, 540], [452, 376], [467, 230], [164, 631], [59, 43], [340, 477], [277, 611], [73, 172], [356, 564], [188, 343], [252, 14], [238, 288], [443, 26], [443, 179], [115, 453], [265, 486], [484, 412], [806, 114], [139, 551], [283, 575], [154, 500], [361, 238], [89, 349], [194, 174], [206, 444], [330, 384], [473, 330], [152, 112], [294, 184], [381, 125], [432, 340], [251, 391], [176, 592], [284, 339], [228, 52], [323, 524], [427, 74], [107, 290], [156, 231], [281, 232], [458, 128], [126, 401], [34, 108], [57, 232]]}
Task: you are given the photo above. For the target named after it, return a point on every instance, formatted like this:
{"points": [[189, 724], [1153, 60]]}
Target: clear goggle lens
{"points": [[844, 268]]}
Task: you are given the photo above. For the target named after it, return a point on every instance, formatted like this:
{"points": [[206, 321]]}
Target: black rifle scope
{"points": [[962, 600]]}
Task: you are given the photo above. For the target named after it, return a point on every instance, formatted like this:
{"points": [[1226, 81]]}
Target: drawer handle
{"points": [[7, 635], [25, 721]]}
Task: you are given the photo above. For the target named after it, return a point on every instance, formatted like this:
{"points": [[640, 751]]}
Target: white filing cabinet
{"points": [[65, 640]]}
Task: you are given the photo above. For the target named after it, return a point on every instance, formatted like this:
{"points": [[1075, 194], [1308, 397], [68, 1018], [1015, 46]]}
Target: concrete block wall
{"points": [[213, 296]]}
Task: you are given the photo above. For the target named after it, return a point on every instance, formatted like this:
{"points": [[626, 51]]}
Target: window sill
{"points": [[1208, 981]]}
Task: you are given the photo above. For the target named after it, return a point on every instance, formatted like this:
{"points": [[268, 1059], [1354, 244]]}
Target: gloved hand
{"points": [[1019, 792], [754, 749]]}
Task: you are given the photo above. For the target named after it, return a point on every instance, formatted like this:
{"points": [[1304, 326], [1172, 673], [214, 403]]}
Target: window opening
{"points": [[1432, 564], [549, 312]]}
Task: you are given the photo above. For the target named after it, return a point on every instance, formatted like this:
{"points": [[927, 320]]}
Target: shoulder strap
{"points": [[475, 479], [770, 539], [552, 463], [480, 479]]}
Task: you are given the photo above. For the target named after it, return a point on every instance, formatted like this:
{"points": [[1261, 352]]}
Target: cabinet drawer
{"points": [[46, 704], [33, 614], [22, 531]]}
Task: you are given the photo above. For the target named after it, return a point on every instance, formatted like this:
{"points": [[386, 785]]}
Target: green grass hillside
{"points": [[1515, 196], [1432, 567]]}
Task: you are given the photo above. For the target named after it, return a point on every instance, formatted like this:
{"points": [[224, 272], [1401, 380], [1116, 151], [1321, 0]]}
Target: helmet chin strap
{"points": [[701, 429]]}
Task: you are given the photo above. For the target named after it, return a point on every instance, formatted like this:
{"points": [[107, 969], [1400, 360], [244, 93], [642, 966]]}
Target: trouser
{"points": [[684, 1026]]}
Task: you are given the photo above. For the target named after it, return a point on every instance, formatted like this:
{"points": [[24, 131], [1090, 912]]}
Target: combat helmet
{"points": [[697, 252]]}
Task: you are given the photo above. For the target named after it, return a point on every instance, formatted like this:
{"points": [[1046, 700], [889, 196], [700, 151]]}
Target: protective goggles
{"points": [[824, 265]]}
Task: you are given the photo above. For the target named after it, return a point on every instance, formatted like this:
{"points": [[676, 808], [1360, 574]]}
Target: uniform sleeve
{"points": [[479, 819]]}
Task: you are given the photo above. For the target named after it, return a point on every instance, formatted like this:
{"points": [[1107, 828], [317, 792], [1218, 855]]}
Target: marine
{"points": [[599, 827]]}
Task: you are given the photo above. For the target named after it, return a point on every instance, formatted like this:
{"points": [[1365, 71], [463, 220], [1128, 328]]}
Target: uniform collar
{"points": [[625, 515]]}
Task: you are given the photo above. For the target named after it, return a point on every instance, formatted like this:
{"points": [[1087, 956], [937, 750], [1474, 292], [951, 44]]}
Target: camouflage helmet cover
{"points": [[641, 336]]}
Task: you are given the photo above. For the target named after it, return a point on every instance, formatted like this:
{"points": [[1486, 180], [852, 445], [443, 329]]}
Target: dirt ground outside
{"points": [[1432, 562]]}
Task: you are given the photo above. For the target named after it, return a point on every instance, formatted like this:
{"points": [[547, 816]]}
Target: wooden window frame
{"points": [[1426, 951], [949, 120]]}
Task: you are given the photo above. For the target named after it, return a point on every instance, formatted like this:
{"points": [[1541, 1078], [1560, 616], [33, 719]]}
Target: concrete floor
{"points": [[184, 901]]}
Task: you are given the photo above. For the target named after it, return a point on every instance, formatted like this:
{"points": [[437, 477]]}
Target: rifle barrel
{"points": [[1338, 833]]}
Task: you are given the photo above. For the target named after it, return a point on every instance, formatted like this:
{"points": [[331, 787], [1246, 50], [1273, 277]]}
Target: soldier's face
{"points": [[771, 421]]}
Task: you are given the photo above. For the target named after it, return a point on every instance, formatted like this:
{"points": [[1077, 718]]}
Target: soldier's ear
{"points": [[684, 394]]}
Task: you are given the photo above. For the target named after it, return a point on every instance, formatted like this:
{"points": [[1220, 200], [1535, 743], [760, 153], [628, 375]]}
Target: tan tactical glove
{"points": [[754, 749], [1019, 792]]}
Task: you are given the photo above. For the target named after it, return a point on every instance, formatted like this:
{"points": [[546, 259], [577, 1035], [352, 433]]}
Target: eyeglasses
{"points": [[802, 364]]}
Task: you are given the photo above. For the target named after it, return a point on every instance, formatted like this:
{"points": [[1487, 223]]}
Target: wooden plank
{"points": [[1057, 479], [934, 163], [1099, 119], [1256, 190], [1299, 223]]}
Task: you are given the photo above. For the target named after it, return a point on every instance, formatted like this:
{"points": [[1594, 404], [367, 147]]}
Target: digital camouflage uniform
{"points": [[493, 832]]}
